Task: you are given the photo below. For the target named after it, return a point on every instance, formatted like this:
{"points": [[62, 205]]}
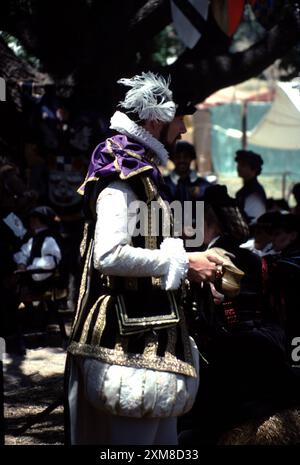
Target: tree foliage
{"points": [[92, 43]]}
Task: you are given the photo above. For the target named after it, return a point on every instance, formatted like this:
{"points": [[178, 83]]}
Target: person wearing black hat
{"points": [[42, 251], [283, 273], [251, 197]]}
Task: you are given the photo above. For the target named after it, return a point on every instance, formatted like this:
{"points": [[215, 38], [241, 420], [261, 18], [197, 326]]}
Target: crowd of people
{"points": [[150, 309]]}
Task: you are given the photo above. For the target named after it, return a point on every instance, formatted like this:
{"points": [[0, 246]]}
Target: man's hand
{"points": [[202, 266]]}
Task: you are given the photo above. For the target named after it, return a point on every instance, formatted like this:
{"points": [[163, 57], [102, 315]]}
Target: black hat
{"points": [[227, 212], [287, 222], [185, 108], [217, 195], [44, 213], [254, 160], [267, 221]]}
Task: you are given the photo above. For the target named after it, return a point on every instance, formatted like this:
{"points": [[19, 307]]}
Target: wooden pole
{"points": [[244, 125]]}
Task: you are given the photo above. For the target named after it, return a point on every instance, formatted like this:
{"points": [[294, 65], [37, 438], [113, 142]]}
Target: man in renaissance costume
{"points": [[132, 367]]}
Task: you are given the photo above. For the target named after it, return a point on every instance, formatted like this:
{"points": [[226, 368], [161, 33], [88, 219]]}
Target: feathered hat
{"points": [[149, 97]]}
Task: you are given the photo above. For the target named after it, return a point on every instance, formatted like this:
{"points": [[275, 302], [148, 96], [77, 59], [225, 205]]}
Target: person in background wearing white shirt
{"points": [[42, 251], [262, 228]]}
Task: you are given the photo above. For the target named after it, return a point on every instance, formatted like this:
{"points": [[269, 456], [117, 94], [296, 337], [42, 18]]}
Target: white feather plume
{"points": [[149, 97]]}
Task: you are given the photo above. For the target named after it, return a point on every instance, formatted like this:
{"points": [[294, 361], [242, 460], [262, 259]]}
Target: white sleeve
{"points": [[113, 253], [22, 257], [49, 259], [254, 207]]}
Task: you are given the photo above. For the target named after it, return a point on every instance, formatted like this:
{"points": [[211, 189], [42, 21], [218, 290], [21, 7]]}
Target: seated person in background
{"points": [[42, 251], [279, 205], [261, 242], [184, 183], [296, 194], [282, 274], [247, 373], [225, 227], [251, 197], [15, 202], [285, 237]]}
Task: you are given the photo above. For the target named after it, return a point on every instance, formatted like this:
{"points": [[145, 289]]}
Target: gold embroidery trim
{"points": [[150, 240], [83, 286], [167, 227], [185, 338], [150, 188], [109, 143], [101, 321], [87, 323], [80, 190], [121, 344], [171, 344], [134, 155], [83, 244], [133, 173], [114, 357], [151, 345]]}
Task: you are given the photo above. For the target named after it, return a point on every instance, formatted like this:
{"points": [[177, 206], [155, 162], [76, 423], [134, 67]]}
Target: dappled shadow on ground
{"points": [[33, 383]]}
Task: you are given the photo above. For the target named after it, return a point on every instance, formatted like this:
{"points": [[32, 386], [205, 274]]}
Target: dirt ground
{"points": [[32, 383]]}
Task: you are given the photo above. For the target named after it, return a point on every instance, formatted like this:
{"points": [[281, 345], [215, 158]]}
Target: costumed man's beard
{"points": [[170, 147]]}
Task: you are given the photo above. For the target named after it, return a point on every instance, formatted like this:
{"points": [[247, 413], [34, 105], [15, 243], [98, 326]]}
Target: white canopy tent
{"points": [[280, 127]]}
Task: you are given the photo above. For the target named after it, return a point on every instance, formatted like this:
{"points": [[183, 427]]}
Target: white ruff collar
{"points": [[121, 123]]}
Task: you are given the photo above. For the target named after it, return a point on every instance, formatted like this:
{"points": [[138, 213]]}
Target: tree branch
{"points": [[195, 79], [154, 16], [15, 69]]}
